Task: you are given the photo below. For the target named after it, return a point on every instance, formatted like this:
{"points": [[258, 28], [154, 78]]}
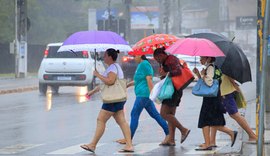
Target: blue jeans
{"points": [[145, 102]]}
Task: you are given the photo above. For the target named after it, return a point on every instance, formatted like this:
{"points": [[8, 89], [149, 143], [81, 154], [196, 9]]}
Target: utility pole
{"points": [[166, 18], [127, 19], [21, 38], [109, 16], [262, 51]]}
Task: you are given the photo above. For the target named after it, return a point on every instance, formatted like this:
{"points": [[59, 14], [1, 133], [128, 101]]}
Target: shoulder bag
{"points": [[202, 89], [181, 81], [116, 92]]}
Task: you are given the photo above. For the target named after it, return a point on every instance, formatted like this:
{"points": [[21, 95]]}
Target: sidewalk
{"points": [[15, 85], [249, 149]]}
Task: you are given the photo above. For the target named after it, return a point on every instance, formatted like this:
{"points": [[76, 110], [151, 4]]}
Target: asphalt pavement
{"points": [[241, 147]]}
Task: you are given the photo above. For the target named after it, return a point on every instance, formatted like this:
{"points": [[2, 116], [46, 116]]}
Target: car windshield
{"points": [[52, 53]]}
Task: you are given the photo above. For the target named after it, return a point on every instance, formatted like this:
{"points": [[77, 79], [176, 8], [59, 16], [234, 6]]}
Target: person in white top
{"points": [[114, 110]]}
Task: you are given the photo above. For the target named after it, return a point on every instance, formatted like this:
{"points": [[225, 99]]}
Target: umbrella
{"points": [[148, 44], [97, 41], [235, 64], [195, 47]]}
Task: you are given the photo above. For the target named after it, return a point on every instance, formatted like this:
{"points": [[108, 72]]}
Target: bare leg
{"points": [[225, 130], [103, 117], [243, 123], [121, 121], [206, 135], [213, 133], [168, 114]]}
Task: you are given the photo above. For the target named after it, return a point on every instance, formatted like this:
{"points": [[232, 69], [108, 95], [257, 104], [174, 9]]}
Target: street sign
{"points": [[246, 22]]}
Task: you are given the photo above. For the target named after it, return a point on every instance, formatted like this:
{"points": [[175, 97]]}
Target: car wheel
{"points": [[43, 88], [55, 89]]}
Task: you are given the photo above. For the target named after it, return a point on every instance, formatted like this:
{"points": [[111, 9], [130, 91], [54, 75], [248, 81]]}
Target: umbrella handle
{"points": [[95, 59]]}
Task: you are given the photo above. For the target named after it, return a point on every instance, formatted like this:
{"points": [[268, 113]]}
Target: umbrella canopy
{"points": [[235, 64], [195, 47], [148, 44], [97, 41]]}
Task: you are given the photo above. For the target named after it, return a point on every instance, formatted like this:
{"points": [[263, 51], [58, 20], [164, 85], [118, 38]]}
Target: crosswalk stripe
{"points": [[142, 148], [14, 149], [215, 150], [72, 149]]}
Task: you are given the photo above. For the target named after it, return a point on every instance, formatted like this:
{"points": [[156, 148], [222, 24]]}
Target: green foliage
{"points": [[7, 21]]}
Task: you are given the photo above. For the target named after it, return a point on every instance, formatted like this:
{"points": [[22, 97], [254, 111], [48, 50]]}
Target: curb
{"points": [[18, 90]]}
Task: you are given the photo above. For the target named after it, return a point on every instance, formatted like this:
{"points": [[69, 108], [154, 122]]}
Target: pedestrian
{"points": [[171, 65], [114, 110], [228, 90], [211, 114], [143, 85]]}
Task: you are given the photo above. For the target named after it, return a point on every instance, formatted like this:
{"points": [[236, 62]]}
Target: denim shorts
{"points": [[230, 104], [113, 107]]}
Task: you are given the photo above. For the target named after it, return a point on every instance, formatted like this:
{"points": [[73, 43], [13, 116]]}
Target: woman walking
{"points": [[170, 64], [211, 114], [143, 86], [114, 110]]}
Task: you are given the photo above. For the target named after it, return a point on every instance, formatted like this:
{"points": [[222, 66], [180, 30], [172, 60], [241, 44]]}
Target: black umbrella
{"points": [[235, 64]]}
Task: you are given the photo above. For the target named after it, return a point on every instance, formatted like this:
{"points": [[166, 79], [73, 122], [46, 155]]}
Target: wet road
{"points": [[32, 124]]}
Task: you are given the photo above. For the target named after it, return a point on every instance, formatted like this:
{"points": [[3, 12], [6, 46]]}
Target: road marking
{"points": [[14, 149], [72, 149], [142, 148], [215, 150]]}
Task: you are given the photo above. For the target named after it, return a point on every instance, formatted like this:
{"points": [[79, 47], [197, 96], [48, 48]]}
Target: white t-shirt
{"points": [[115, 68]]}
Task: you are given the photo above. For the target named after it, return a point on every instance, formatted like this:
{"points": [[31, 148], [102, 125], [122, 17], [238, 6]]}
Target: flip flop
{"points": [[126, 151], [85, 147], [213, 146], [234, 137], [183, 138], [166, 144], [204, 149], [120, 141]]}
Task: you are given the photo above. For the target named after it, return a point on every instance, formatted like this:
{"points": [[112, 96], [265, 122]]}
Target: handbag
{"points": [[167, 89], [240, 100], [184, 79], [116, 92], [202, 89]]}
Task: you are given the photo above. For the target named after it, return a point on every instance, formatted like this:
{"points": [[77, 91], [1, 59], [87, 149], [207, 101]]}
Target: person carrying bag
{"points": [[112, 106], [211, 113], [116, 92]]}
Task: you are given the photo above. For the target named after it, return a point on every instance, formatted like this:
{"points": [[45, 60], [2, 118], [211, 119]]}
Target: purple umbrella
{"points": [[97, 41]]}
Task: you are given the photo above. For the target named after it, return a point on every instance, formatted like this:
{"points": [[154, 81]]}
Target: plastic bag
{"points": [[156, 90], [167, 89]]}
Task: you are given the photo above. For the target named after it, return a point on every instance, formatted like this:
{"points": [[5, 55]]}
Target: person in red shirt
{"points": [[170, 65]]}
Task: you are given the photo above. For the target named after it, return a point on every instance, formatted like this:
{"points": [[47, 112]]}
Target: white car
{"points": [[67, 69], [192, 62]]}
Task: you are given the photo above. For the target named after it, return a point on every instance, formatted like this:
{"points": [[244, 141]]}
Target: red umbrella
{"points": [[195, 47], [148, 44]]}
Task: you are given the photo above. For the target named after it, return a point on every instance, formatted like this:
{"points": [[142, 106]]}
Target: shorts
{"points": [[229, 104], [175, 100], [113, 107]]}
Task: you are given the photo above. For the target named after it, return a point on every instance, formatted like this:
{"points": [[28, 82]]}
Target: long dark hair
{"points": [[143, 57], [159, 51], [113, 53]]}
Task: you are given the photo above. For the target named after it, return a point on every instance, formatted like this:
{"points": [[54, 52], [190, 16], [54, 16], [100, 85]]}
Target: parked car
{"points": [[129, 65], [67, 69]]}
